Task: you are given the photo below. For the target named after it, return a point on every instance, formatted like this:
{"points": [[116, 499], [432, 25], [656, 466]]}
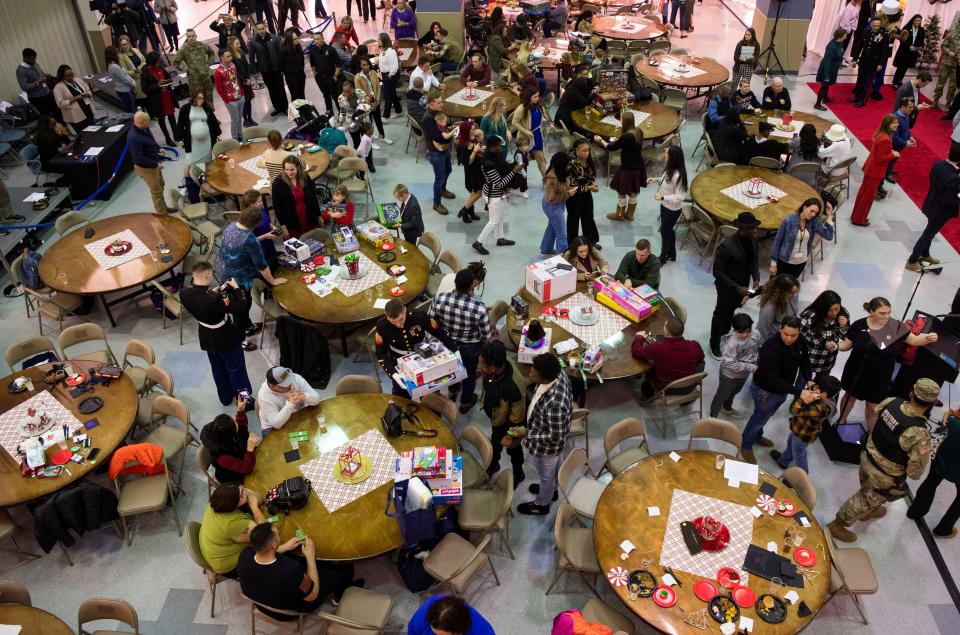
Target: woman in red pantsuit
{"points": [[875, 169]]}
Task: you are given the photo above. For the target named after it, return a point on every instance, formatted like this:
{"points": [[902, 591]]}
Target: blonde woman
{"points": [[530, 119], [133, 62], [495, 121]]}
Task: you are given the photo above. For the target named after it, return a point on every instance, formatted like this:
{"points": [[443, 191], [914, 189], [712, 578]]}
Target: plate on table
{"points": [[804, 556], [387, 256], [584, 315], [723, 609], [55, 376], [90, 405], [717, 544], [664, 596], [771, 609], [396, 270], [785, 507], [75, 381], [746, 192], [361, 272], [61, 457], [641, 582], [705, 589], [744, 596], [728, 577], [118, 248], [397, 291], [24, 428]]}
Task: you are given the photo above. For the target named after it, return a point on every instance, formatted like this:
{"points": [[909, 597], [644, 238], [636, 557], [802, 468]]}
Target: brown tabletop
{"points": [[336, 308], [116, 418], [67, 265], [715, 72], [556, 45], [359, 529], [799, 118], [459, 111], [663, 121], [651, 482], [613, 5], [373, 48], [618, 362], [237, 180], [33, 621], [706, 192], [644, 28]]}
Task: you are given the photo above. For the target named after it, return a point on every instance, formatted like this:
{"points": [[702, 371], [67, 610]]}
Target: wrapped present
{"points": [[296, 249], [551, 279], [373, 232], [388, 214], [755, 186], [579, 41], [528, 349], [445, 484], [624, 301], [345, 240], [520, 306], [317, 248]]}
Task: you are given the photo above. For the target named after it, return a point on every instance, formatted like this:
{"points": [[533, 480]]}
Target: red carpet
{"points": [[913, 167]]}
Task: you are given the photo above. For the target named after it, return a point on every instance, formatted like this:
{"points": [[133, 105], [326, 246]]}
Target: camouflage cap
{"points": [[926, 390]]}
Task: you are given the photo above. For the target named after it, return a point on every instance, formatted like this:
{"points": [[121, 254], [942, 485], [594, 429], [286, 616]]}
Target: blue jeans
{"points": [[796, 452], [764, 405], [470, 356], [546, 466], [129, 101], [442, 166], [675, 7], [229, 373], [555, 235]]}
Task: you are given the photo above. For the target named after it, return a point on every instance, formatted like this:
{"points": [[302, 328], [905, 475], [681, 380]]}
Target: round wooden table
{"points": [[652, 482], [752, 120], [706, 191], [33, 621], [459, 111], [608, 26], [69, 267], [662, 122], [116, 417], [237, 180], [618, 362], [359, 529], [373, 48], [612, 6], [344, 312], [714, 73]]}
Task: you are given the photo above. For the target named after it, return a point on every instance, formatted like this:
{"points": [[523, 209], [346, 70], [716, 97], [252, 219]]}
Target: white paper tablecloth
{"points": [[97, 249]]}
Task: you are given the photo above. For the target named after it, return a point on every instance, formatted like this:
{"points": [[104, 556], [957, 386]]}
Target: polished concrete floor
{"points": [[169, 592]]}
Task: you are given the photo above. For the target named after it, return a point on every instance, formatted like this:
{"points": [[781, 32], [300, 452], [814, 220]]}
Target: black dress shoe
{"points": [[864, 224], [503, 242], [480, 249], [535, 489], [876, 96], [532, 509]]}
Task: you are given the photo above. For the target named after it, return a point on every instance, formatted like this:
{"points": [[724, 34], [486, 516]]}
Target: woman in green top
{"points": [[495, 121], [232, 514], [945, 466], [497, 49]]}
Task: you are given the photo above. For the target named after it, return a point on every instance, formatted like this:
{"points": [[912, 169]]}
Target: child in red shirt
{"points": [[344, 216]]}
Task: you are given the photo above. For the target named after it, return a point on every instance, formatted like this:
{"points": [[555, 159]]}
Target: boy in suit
{"points": [[411, 218]]}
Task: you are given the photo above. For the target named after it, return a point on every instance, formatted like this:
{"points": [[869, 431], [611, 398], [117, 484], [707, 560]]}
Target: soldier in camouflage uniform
{"points": [[196, 57], [950, 57], [898, 448]]}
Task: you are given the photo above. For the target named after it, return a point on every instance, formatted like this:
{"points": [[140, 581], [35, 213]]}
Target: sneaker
{"points": [[732, 412], [376, 147], [532, 509], [389, 142], [915, 267], [19, 219], [524, 195], [535, 489]]}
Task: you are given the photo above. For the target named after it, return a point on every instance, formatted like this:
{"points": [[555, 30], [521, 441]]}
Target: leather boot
{"points": [[877, 512], [619, 214], [631, 208], [840, 531]]}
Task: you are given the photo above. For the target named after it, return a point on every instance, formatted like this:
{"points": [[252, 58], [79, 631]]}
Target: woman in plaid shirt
{"points": [[824, 330]]}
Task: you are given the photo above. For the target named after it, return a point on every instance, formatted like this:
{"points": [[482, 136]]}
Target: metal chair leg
{"points": [[495, 576]]}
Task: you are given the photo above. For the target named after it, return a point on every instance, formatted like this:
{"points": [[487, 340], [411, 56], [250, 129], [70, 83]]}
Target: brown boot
{"points": [[631, 208], [619, 214], [877, 512], [840, 531], [748, 456]]}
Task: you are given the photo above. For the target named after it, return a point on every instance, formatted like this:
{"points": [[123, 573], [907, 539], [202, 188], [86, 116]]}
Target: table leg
{"points": [[106, 307]]}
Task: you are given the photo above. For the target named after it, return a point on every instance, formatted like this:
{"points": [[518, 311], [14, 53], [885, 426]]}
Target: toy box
{"points": [[345, 240], [422, 370], [418, 391], [624, 301], [445, 484], [535, 7], [593, 359], [526, 351], [608, 103], [551, 279], [373, 232], [649, 294], [388, 214], [296, 249]]}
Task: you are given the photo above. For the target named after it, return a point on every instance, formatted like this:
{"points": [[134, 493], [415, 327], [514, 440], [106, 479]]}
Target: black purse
{"points": [[290, 495], [392, 421]]}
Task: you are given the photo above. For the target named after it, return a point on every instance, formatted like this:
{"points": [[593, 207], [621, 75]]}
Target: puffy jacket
{"points": [[81, 507], [148, 455]]}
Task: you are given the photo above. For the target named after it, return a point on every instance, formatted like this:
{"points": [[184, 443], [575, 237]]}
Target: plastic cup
{"points": [[720, 461]]}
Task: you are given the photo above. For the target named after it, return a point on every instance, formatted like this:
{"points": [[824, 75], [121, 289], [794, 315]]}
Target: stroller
{"points": [[309, 122]]}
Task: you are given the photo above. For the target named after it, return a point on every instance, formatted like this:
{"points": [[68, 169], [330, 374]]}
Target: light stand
{"points": [[937, 270], [771, 50]]}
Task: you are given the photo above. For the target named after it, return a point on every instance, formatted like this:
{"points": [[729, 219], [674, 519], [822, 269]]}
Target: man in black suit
{"points": [[912, 89], [876, 48], [734, 265], [411, 218], [940, 205]]}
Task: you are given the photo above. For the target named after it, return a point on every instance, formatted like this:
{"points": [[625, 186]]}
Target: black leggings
{"points": [[924, 498], [163, 127], [668, 234], [580, 213]]}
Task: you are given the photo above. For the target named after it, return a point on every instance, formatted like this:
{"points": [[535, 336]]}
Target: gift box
{"points": [[388, 214], [755, 186], [535, 7], [520, 306], [373, 232], [593, 359], [624, 301], [296, 249], [608, 103], [422, 370], [551, 279], [348, 462], [317, 248], [417, 391], [649, 294], [345, 240], [445, 484], [527, 350]]}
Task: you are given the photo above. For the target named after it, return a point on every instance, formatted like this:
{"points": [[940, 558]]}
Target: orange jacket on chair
{"points": [[147, 455]]}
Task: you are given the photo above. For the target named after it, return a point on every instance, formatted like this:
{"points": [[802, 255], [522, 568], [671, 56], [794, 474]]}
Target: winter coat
{"points": [[81, 507]]}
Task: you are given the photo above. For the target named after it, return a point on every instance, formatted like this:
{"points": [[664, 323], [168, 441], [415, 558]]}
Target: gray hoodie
{"points": [[740, 356]]}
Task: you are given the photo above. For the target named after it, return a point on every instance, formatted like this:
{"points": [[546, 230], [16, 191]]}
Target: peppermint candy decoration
{"points": [[618, 576], [767, 503]]}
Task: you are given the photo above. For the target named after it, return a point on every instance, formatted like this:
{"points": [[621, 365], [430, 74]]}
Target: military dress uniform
{"points": [[946, 75], [898, 448], [393, 342], [196, 61]]}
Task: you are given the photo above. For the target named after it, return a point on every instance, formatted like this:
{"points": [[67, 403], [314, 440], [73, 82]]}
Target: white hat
{"points": [[890, 7], [279, 376], [836, 131]]}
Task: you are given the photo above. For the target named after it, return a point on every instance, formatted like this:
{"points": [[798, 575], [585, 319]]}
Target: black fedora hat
{"points": [[746, 220]]}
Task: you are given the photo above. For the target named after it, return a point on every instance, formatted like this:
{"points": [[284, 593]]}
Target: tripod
{"points": [[924, 270], [771, 50]]}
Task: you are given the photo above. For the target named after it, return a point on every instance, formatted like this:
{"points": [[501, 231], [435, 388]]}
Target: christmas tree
{"points": [[931, 45]]}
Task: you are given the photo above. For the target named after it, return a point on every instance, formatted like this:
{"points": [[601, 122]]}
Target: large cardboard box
{"points": [[526, 353], [422, 370], [296, 249], [418, 391], [551, 279], [446, 485]]}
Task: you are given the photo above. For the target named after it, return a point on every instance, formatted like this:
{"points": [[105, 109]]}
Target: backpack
{"points": [[29, 270], [290, 495]]}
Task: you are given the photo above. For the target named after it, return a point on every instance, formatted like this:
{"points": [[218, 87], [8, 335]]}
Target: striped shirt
{"points": [[494, 182]]}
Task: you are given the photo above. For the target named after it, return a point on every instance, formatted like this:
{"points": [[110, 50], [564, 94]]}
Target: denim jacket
{"points": [[787, 235]]}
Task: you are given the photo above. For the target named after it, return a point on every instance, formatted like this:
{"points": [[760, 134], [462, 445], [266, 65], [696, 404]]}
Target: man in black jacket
{"points": [[326, 70], [221, 319], [940, 205], [734, 265], [265, 57], [761, 145], [781, 365], [876, 46], [578, 94], [224, 28]]}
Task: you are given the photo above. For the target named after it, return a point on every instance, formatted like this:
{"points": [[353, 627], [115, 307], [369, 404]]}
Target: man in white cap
{"points": [[836, 147], [283, 394]]}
